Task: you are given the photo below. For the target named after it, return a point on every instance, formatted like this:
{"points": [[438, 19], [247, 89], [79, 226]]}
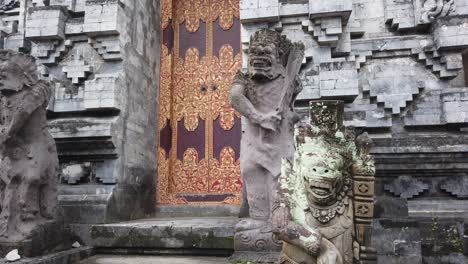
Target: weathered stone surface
{"points": [[457, 186], [28, 159], [176, 234], [64, 257], [440, 237], [326, 194], [406, 187], [105, 83], [265, 98], [102, 259], [397, 244]]}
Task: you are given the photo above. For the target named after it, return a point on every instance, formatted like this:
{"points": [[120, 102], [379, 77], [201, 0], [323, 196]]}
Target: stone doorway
{"points": [[199, 133]]}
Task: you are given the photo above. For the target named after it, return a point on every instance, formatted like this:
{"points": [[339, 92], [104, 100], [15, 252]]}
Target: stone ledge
{"points": [[162, 234], [64, 257]]}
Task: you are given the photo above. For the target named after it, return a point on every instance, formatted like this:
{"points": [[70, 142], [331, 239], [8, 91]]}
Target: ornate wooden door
{"points": [[199, 141]]}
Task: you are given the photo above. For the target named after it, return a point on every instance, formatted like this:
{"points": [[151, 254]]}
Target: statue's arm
{"points": [[301, 237], [240, 102], [34, 98]]}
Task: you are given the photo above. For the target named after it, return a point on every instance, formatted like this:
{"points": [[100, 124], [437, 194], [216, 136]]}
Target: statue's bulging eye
{"points": [[326, 171], [314, 169]]}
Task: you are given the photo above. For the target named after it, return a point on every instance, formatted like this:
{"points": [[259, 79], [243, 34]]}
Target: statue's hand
{"points": [[313, 247], [280, 218], [329, 254], [270, 121]]}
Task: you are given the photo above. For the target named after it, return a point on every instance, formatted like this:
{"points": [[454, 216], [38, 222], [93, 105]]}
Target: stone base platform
{"points": [[50, 237], [181, 236], [122, 259], [64, 257]]}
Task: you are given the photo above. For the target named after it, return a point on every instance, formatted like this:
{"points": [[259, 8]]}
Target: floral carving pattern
{"points": [[165, 87], [191, 173], [166, 13], [224, 70], [225, 10], [190, 89], [191, 12], [225, 173], [164, 194], [406, 187], [194, 88]]}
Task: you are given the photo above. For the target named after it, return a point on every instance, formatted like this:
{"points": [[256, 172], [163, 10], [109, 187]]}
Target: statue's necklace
{"points": [[325, 215]]}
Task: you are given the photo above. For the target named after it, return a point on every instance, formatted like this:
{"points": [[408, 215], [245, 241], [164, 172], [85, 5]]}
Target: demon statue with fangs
{"points": [[324, 202]]}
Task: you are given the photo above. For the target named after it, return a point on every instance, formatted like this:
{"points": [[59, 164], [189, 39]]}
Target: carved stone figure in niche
{"points": [[315, 213], [436, 8], [265, 96], [28, 156]]}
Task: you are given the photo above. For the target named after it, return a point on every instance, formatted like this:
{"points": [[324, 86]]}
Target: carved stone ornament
{"points": [[28, 157], [456, 186], [315, 212], [265, 96], [406, 187], [433, 9]]}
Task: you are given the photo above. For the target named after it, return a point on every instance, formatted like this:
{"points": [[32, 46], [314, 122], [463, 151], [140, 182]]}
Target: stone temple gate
{"points": [[141, 117]]}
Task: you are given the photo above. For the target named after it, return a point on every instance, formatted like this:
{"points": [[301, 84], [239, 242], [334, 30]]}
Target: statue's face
{"points": [[323, 178], [262, 60], [11, 79]]}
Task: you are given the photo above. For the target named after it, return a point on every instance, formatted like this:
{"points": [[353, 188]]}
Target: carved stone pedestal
{"points": [[47, 238], [255, 245]]}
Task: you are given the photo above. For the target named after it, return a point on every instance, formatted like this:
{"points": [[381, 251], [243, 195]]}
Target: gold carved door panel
{"points": [[199, 132]]}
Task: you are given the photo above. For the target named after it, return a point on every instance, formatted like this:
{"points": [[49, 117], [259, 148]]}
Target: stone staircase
{"points": [[120, 259], [181, 236]]}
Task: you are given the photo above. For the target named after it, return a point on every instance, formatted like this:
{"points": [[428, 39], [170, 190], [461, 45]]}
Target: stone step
{"points": [[206, 236], [116, 259], [64, 257]]}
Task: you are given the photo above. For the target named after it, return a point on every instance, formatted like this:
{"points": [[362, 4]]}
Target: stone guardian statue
{"points": [[28, 156], [324, 204], [265, 96]]}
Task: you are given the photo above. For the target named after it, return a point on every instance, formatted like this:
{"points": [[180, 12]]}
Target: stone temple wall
{"points": [[401, 68], [102, 57], [399, 65]]}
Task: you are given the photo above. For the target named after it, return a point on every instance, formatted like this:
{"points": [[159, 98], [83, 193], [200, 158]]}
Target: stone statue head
{"points": [[323, 169], [267, 54], [17, 71]]}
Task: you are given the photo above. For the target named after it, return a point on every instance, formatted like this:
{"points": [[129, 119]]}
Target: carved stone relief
{"points": [[406, 187]]}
